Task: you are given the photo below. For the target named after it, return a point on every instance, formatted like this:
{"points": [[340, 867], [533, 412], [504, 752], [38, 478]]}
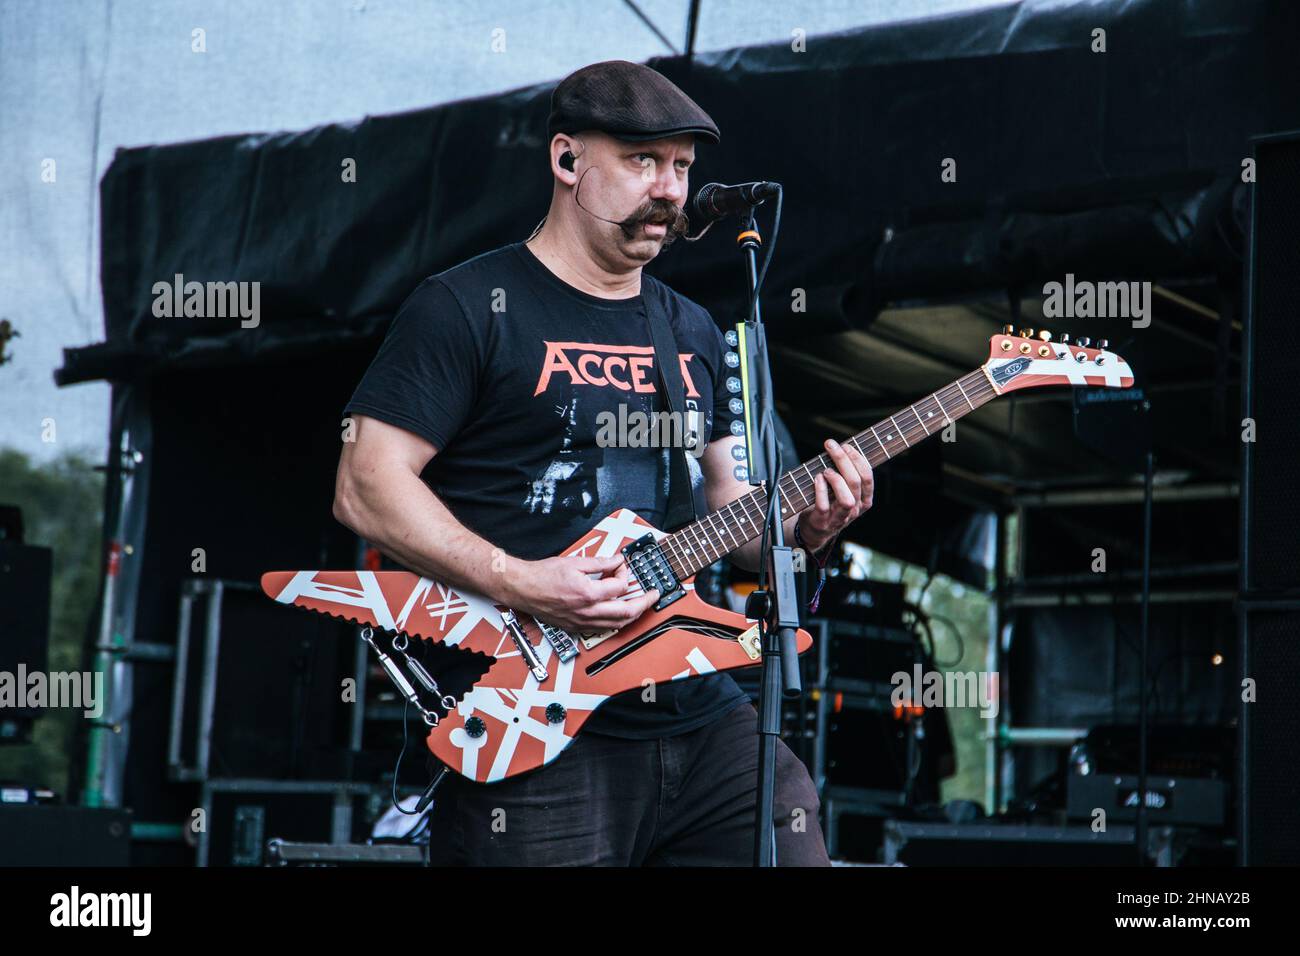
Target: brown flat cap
{"points": [[629, 102]]}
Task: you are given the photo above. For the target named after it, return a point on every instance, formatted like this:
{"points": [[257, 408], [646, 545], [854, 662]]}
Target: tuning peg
{"points": [[1083, 342], [1103, 343], [1027, 333], [1065, 338], [1008, 330], [1045, 335]]}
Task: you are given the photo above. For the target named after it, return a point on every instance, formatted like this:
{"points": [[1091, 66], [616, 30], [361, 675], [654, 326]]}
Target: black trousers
{"points": [[675, 801]]}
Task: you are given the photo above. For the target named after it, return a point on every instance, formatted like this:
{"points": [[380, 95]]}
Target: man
{"points": [[476, 459]]}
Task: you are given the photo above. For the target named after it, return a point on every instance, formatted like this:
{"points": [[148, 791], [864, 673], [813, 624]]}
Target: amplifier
{"points": [[1269, 604], [43, 835], [1189, 801], [864, 602], [863, 659], [867, 748]]}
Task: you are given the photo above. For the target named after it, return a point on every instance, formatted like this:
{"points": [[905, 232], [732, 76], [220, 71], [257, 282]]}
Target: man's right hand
{"points": [[579, 594]]}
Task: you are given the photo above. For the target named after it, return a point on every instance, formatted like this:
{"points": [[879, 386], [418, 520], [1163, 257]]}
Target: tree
{"points": [[62, 505]]}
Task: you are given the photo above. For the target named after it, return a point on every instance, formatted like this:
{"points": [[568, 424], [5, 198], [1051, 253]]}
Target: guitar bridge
{"points": [[652, 570]]}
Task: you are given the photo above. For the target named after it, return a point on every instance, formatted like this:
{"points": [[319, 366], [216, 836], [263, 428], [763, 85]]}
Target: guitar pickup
{"points": [[652, 570], [525, 646]]}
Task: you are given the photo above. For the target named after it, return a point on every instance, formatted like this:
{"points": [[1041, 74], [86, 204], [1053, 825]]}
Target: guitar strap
{"points": [[683, 504]]}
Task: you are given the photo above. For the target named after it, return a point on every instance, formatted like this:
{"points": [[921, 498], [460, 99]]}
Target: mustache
{"points": [[657, 211]]}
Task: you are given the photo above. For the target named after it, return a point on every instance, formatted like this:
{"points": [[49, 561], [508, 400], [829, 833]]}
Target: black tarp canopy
{"points": [[1118, 164]]}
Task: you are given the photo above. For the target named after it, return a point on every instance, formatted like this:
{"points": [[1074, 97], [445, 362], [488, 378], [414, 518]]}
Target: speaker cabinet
{"points": [[1269, 608]]}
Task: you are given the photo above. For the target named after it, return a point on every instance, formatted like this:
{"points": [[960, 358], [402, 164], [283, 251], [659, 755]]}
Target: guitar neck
{"points": [[703, 542]]}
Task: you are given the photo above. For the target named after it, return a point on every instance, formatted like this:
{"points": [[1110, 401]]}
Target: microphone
{"points": [[715, 201]]}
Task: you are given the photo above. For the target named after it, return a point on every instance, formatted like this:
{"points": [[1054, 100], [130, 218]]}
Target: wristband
{"points": [[798, 537], [821, 564]]}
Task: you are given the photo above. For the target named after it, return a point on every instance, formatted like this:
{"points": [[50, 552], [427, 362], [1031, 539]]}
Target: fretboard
{"points": [[697, 545]]}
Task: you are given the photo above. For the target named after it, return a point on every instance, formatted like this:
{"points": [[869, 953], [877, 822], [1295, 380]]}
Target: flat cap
{"points": [[629, 102]]}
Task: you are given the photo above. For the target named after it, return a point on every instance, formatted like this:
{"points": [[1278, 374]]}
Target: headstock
{"points": [[1031, 360]]}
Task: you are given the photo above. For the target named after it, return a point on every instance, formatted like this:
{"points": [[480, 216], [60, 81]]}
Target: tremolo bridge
{"points": [[560, 641]]}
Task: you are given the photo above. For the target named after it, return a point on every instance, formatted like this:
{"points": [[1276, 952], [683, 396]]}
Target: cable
{"points": [[765, 427], [924, 635], [406, 711], [678, 227], [776, 229], [577, 199], [929, 579], [853, 563], [961, 644]]}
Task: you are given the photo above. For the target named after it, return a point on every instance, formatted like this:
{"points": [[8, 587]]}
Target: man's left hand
{"points": [[841, 495]]}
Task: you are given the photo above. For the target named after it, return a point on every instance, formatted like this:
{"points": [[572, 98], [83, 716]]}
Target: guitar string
{"points": [[758, 499], [697, 534]]}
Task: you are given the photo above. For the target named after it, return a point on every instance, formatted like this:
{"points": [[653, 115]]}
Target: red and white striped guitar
{"points": [[544, 683]]}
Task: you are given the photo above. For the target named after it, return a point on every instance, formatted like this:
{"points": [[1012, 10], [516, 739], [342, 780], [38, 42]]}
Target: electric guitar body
{"points": [[532, 702]]}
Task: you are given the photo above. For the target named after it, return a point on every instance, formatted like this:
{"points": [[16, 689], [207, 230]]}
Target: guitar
{"points": [[544, 683]]}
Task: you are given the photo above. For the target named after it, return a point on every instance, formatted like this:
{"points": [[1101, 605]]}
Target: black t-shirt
{"points": [[505, 367]]}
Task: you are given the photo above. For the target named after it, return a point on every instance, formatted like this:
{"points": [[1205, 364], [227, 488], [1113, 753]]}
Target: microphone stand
{"points": [[776, 609], [1144, 684]]}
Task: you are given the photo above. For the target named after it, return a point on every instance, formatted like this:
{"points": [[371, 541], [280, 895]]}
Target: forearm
{"points": [[398, 513]]}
